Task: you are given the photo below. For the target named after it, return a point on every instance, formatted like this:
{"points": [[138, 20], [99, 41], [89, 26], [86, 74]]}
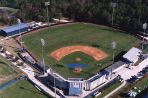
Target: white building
{"points": [[95, 81], [132, 55]]}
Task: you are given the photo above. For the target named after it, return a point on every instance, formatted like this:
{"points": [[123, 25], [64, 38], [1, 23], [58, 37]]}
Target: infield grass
{"points": [[78, 34]]}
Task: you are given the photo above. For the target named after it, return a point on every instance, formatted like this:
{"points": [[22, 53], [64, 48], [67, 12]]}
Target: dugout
{"points": [[15, 29]]}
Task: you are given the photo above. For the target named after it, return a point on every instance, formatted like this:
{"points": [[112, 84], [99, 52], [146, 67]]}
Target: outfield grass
{"points": [[21, 89], [78, 34]]}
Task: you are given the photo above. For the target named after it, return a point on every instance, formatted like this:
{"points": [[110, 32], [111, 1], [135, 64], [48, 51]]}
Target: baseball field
{"points": [[78, 43]]}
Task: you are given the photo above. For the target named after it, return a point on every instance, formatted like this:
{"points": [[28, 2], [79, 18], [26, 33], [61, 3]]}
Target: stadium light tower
{"points": [[144, 28], [43, 44], [47, 4], [113, 4], [113, 46], [20, 35]]}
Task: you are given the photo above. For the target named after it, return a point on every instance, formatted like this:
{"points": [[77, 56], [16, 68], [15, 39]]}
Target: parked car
{"points": [[146, 68], [139, 75], [144, 71], [132, 79], [96, 94]]}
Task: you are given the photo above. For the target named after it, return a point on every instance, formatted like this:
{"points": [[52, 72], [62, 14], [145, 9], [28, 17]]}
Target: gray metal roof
{"points": [[132, 55], [114, 66], [97, 76]]}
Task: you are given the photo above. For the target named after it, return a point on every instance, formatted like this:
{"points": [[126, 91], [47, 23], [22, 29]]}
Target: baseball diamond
{"points": [[91, 51], [88, 42]]}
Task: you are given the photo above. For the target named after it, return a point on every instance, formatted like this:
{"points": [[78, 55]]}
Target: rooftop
{"points": [[15, 27]]}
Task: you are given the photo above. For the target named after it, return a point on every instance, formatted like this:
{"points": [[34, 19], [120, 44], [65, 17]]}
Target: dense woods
{"points": [[128, 14]]}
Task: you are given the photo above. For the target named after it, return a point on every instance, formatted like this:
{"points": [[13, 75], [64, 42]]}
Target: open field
{"points": [[21, 89], [78, 34], [6, 71]]}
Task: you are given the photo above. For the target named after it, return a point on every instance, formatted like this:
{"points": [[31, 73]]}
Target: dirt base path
{"points": [[91, 51]]}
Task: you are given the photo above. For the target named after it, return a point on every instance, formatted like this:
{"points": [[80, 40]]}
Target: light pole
{"points": [[20, 35], [47, 4], [113, 4], [43, 44], [144, 28], [113, 46]]}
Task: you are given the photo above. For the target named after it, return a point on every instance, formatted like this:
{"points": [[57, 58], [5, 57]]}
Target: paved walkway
{"points": [[126, 73]]}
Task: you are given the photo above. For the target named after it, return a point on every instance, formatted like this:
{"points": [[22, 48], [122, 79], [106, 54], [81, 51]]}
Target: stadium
{"points": [[75, 54], [73, 48]]}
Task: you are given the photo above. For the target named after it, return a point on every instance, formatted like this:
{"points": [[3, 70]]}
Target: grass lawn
{"points": [[6, 71], [78, 34], [143, 82], [123, 92], [21, 89], [109, 89]]}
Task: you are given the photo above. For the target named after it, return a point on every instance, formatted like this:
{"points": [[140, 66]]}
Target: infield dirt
{"points": [[97, 54]]}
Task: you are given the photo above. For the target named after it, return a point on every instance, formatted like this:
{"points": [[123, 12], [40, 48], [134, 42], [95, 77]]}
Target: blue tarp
{"points": [[8, 84], [11, 82], [11, 30], [76, 65], [75, 91]]}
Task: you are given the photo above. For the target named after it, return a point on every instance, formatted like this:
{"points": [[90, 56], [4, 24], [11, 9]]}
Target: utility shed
{"points": [[15, 29], [132, 55]]}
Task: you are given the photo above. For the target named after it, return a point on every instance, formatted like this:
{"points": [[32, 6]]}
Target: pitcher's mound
{"points": [[78, 59]]}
